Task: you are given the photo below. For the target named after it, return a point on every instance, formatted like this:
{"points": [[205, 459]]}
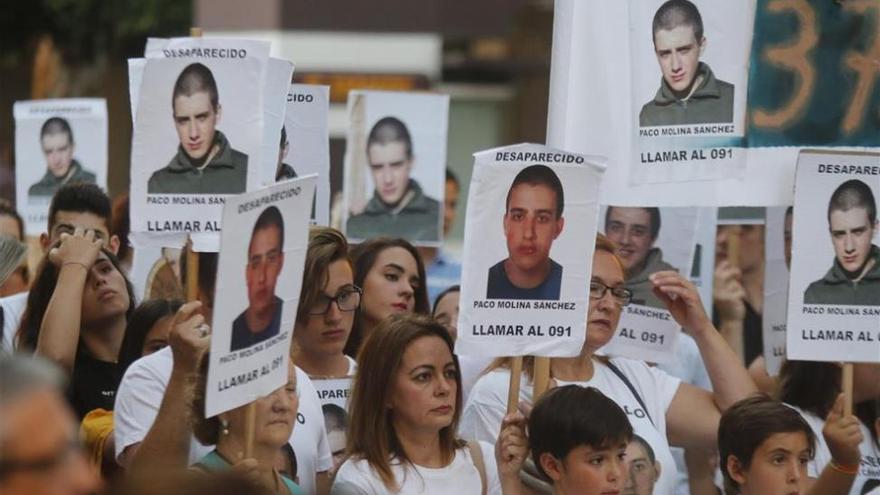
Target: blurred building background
{"points": [[491, 56]]}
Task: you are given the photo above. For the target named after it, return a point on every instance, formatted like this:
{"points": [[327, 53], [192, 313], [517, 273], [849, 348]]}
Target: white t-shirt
{"points": [[13, 308], [140, 395], [870, 465], [471, 368], [460, 477], [485, 409], [687, 366]]}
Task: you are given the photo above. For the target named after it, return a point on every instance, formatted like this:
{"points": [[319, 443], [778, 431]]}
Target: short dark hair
{"points": [[542, 175], [390, 130], [853, 194], [653, 214], [570, 416], [80, 197], [334, 417], [120, 225], [675, 13], [440, 296], [7, 210], [56, 125], [649, 451], [283, 137], [451, 177], [270, 217], [748, 424], [196, 78]]}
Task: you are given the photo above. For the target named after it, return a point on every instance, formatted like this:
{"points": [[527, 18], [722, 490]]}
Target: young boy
{"points": [[578, 438]]}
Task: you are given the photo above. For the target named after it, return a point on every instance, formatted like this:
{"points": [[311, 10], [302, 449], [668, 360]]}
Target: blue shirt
{"points": [[442, 273], [500, 287]]}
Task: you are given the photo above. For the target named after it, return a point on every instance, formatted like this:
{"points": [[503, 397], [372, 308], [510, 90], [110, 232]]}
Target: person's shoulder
{"points": [[238, 158], [355, 471], [497, 269], [816, 291], [156, 366]]}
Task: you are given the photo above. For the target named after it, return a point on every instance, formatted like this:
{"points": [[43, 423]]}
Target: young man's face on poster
{"points": [[391, 169], [531, 224], [196, 123], [851, 234], [678, 52], [265, 260], [58, 151], [630, 229]]}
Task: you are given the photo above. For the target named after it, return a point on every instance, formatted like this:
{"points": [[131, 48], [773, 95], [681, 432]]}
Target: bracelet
{"points": [[74, 263], [844, 469]]}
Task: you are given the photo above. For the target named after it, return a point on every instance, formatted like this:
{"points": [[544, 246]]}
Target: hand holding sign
{"points": [[729, 294], [81, 248], [189, 337], [682, 299], [843, 435], [512, 446]]}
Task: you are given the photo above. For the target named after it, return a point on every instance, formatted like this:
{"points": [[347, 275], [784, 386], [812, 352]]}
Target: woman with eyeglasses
{"points": [[663, 410], [328, 303]]}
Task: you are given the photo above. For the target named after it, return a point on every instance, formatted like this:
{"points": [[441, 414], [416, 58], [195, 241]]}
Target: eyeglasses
{"points": [[349, 299], [621, 295]]}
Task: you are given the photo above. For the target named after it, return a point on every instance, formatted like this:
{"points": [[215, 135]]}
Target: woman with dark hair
{"points": [[274, 417], [402, 435], [813, 388], [147, 330], [765, 449], [76, 314], [392, 276]]}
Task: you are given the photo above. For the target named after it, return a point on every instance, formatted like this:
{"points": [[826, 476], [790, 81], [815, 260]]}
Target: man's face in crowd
{"points": [[531, 224], [40, 435], [643, 473], [450, 202], [196, 122], [58, 151], [786, 238], [678, 52], [66, 222], [390, 168], [851, 234], [265, 260], [630, 229]]}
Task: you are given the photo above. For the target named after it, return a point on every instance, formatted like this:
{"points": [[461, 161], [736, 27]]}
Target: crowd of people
{"points": [[103, 393]]}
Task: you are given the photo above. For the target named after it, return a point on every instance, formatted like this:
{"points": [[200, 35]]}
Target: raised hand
{"points": [[680, 296]]}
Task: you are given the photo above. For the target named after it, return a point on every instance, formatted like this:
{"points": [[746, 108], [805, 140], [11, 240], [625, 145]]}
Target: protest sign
{"points": [[703, 268], [307, 147], [201, 108], [57, 142], [834, 289], [530, 231], [777, 257], [258, 287], [334, 394], [789, 106], [649, 240], [395, 166], [279, 73]]}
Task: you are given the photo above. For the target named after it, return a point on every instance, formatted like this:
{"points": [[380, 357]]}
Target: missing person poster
{"points": [[649, 240], [530, 232], [395, 166], [279, 73], [57, 142], [689, 79], [305, 143], [155, 271], [334, 394], [777, 260], [834, 289], [703, 268], [197, 133], [258, 286]]}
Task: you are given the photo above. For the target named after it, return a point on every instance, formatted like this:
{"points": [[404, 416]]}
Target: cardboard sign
{"points": [[334, 394], [279, 73], [530, 231], [395, 166], [834, 289], [307, 145], [57, 142], [649, 240], [258, 286], [777, 256]]}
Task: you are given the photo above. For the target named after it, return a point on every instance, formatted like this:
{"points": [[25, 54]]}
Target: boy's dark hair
{"points": [[570, 416], [270, 217], [675, 13], [196, 78], [80, 197], [390, 130], [749, 423], [853, 194], [539, 175], [56, 125]]}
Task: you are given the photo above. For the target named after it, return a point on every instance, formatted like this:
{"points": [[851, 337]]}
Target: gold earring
{"points": [[224, 425]]}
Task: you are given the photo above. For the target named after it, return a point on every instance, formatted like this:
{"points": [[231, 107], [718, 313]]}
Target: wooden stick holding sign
{"points": [[847, 385], [733, 238], [513, 389], [542, 377]]}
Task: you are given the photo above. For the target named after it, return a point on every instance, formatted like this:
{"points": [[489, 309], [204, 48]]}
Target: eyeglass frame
{"points": [[351, 289], [606, 289]]}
